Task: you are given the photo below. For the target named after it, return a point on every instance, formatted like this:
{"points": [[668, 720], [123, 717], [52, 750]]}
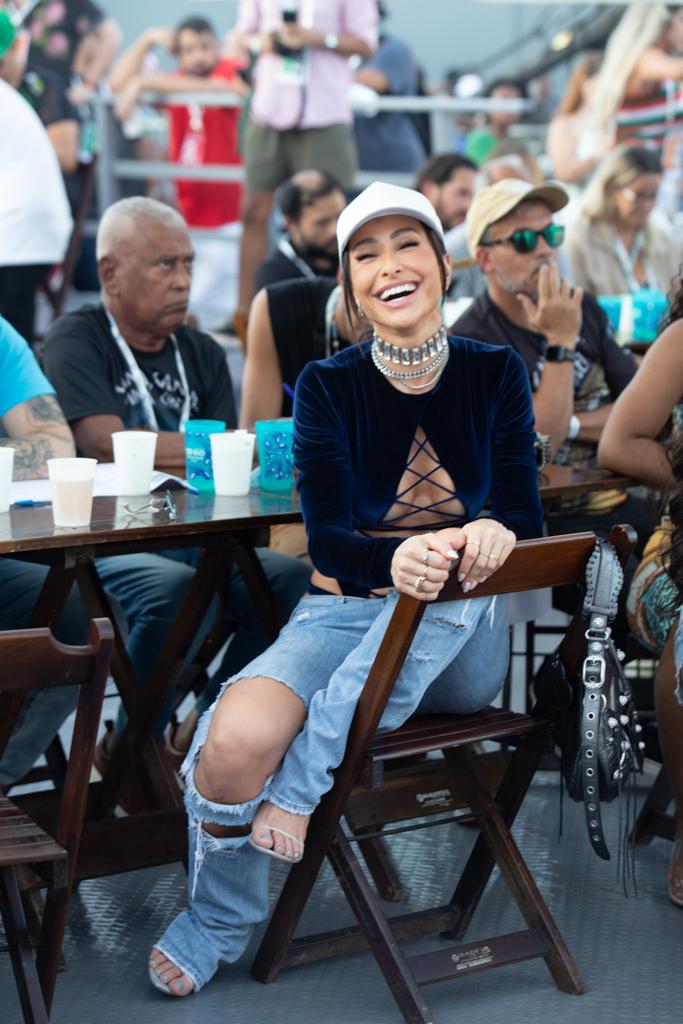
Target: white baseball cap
{"points": [[383, 200]]}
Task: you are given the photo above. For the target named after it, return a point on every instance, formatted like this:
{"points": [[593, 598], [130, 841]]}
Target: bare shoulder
{"points": [[666, 353]]}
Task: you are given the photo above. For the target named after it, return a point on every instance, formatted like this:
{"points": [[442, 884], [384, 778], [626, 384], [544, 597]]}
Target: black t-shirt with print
{"points": [[601, 372], [57, 27], [91, 378], [595, 347]]}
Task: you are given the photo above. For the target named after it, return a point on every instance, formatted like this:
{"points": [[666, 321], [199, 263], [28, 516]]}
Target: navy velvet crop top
{"points": [[353, 432]]}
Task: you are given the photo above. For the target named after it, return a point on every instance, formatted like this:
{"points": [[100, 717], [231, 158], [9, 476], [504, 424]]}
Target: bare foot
{"points": [[279, 831], [170, 974]]}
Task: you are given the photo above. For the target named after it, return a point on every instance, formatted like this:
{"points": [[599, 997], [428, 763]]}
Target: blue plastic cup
{"points": [[611, 305], [275, 441], [198, 452], [649, 306]]}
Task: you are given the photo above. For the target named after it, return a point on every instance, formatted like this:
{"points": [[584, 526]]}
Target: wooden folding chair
{"points": [[58, 283], [533, 564], [33, 658]]}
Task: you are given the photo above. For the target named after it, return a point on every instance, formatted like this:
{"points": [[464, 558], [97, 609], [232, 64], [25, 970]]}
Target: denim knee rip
{"points": [[200, 809]]}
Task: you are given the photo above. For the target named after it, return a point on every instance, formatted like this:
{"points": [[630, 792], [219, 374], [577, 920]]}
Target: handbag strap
{"points": [[604, 579]]}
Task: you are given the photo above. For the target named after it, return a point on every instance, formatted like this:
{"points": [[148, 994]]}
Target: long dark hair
{"points": [[439, 251]]}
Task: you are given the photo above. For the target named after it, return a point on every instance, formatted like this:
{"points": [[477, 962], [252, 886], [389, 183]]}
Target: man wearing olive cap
{"points": [[575, 367]]}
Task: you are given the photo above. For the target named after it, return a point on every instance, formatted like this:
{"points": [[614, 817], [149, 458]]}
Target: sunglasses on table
{"points": [[526, 239]]}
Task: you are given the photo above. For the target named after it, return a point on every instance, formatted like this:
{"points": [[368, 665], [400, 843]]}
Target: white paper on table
{"points": [[106, 485]]}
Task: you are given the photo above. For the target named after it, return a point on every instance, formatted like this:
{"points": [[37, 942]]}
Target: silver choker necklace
{"points": [[411, 356], [435, 349]]}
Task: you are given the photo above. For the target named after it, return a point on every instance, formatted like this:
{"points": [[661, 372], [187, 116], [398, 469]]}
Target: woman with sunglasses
{"points": [[619, 246], [415, 456]]}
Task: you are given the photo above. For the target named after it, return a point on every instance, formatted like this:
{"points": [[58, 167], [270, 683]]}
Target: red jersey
{"points": [[206, 135]]}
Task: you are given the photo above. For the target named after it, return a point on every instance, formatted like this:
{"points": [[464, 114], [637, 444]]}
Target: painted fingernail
{"points": [[451, 553], [466, 586], [180, 986], [461, 577], [164, 977]]}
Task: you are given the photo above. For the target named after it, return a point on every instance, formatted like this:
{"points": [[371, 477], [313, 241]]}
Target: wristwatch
{"points": [[559, 354], [331, 41]]}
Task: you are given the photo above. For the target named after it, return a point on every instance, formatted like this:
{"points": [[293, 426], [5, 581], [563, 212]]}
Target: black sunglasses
{"points": [[526, 239]]}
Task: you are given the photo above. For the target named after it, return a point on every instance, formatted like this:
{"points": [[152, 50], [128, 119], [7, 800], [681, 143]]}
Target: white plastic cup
{"points": [[134, 452], [232, 455], [71, 486], [6, 466]]}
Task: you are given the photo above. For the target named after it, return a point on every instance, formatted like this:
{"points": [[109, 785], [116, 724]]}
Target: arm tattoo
{"points": [[45, 438], [30, 456], [44, 409]]}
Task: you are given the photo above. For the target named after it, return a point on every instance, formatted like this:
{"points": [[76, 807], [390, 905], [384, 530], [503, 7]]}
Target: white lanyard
{"points": [[141, 383], [331, 330], [287, 249], [627, 262]]}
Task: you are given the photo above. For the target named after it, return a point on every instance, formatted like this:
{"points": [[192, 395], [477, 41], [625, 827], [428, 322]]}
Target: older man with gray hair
{"points": [[132, 363]]}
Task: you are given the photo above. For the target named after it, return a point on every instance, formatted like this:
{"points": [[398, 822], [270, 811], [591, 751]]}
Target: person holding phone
{"points": [[300, 113]]}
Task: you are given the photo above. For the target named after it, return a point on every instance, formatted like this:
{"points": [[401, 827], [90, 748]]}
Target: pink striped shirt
{"points": [[324, 98]]}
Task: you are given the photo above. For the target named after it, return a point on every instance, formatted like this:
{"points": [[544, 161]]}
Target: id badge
{"points": [[192, 149], [293, 70]]}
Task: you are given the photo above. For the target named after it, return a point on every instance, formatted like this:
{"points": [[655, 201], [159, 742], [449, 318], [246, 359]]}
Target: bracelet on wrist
{"points": [[574, 427]]}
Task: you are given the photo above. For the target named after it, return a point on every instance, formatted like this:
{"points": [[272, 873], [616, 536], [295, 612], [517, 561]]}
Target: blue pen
{"points": [[29, 503]]}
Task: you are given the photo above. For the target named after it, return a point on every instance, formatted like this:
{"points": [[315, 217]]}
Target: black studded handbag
{"points": [[597, 725]]}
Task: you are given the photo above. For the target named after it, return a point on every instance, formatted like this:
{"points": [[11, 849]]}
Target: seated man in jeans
{"points": [[130, 363], [150, 589]]}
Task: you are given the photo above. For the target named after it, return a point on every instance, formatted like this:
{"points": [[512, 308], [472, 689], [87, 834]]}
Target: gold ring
{"points": [[419, 585]]}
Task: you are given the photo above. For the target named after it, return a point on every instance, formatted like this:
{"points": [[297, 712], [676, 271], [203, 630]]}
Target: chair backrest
{"points": [[32, 658], [532, 565]]}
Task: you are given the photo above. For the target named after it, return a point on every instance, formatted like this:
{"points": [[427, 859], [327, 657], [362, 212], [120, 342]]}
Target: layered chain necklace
{"points": [[430, 357]]}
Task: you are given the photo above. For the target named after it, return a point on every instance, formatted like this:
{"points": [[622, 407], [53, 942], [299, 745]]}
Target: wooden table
{"points": [[558, 482], [225, 530]]}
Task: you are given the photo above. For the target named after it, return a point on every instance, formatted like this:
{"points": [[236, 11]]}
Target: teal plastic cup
{"points": [[275, 440], [198, 452]]}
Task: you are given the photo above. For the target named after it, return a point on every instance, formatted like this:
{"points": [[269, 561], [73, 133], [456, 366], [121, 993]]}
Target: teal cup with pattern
{"points": [[275, 440], [198, 452]]}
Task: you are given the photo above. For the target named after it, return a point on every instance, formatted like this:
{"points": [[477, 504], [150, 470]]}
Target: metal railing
{"points": [[112, 169]]}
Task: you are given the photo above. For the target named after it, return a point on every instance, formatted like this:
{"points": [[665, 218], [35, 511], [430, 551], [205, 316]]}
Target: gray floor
{"points": [[628, 949]]}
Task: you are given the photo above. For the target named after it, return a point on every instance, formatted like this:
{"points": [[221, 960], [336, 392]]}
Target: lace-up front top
{"points": [[366, 451]]}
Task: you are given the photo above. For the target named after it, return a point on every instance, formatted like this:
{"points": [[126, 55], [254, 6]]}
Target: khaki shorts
{"points": [[270, 156]]}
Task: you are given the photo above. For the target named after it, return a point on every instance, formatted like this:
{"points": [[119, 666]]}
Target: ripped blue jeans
{"points": [[456, 664]]}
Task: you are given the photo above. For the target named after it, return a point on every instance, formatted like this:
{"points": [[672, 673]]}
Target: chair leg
{"points": [[23, 963], [271, 954], [652, 819], [51, 939], [480, 864], [390, 959], [513, 868], [381, 867]]}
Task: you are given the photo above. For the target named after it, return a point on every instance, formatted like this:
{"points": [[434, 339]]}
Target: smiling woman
{"points": [[415, 455]]}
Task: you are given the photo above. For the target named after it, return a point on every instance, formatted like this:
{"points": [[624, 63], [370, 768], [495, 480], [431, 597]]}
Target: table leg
{"points": [[214, 566], [259, 589]]}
